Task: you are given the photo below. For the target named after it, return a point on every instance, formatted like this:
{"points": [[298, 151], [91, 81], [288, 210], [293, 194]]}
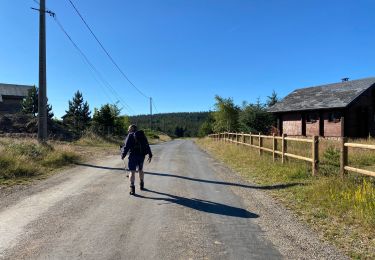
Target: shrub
{"points": [[13, 167], [30, 150], [59, 159]]}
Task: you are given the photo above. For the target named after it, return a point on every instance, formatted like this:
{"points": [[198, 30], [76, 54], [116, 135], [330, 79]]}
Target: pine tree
{"points": [[273, 99], [104, 119], [78, 114], [30, 103], [50, 114], [86, 114]]}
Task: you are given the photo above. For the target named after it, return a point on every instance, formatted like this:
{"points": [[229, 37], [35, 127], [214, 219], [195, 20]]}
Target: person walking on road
{"points": [[137, 145]]}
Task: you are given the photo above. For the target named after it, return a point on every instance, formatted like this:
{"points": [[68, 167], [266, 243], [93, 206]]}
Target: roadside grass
{"points": [[341, 211], [23, 160], [92, 139], [155, 137]]}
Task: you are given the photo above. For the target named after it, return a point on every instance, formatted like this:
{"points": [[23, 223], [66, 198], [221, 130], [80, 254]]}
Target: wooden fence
{"points": [[240, 138], [344, 157], [248, 140]]}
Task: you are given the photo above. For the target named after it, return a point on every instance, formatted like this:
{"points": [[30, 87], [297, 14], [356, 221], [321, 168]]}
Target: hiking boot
{"points": [[132, 190], [142, 185]]}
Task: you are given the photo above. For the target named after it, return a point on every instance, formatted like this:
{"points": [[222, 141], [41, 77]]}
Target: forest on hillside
{"points": [[184, 124]]}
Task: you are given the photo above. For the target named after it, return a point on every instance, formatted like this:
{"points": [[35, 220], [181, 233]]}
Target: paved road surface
{"points": [[187, 212]]}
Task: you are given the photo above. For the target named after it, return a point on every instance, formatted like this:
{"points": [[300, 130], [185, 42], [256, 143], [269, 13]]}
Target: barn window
{"points": [[311, 118], [334, 117]]}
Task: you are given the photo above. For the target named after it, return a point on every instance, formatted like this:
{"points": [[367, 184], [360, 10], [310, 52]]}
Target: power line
{"points": [[92, 70], [88, 62], [153, 104], [106, 52]]}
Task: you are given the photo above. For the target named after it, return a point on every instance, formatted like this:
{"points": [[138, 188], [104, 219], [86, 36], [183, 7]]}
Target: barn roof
{"points": [[336, 95], [13, 90]]}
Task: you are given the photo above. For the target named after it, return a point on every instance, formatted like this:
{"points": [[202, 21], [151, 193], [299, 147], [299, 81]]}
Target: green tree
{"points": [[30, 103], [78, 113], [49, 111], [273, 99], [104, 119], [167, 122], [206, 127], [226, 115], [107, 120], [179, 131], [255, 118]]}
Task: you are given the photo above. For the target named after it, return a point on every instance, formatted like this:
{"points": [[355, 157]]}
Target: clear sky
{"points": [[184, 52]]}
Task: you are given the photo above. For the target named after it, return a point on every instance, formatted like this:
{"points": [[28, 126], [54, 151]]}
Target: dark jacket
{"points": [[129, 145]]}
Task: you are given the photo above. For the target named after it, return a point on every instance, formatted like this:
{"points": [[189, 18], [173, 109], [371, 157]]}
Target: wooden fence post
{"points": [[315, 155], [283, 148], [274, 144], [243, 138], [260, 145], [237, 139], [343, 156], [251, 139]]}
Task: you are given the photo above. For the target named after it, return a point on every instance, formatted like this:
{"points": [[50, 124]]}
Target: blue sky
{"points": [[183, 53]]}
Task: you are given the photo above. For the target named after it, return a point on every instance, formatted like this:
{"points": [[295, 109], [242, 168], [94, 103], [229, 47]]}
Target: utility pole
{"points": [[151, 113], [42, 95]]}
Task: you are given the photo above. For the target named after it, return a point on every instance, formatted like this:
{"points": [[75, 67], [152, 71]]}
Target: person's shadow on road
{"points": [[201, 205]]}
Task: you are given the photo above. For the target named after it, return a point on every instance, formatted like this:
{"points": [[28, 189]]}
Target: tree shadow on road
{"points": [[201, 205], [264, 187]]}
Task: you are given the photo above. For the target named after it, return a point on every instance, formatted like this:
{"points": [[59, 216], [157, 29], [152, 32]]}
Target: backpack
{"points": [[141, 144]]}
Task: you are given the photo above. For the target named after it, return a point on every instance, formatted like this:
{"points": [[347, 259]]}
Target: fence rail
{"points": [[344, 157], [247, 139], [240, 139]]}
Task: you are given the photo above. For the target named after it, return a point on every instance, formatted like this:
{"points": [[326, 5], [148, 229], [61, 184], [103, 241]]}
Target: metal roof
{"points": [[13, 90], [336, 95]]}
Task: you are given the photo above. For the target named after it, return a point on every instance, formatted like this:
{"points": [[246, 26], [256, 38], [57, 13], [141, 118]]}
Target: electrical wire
{"points": [[153, 104], [106, 52], [90, 64]]}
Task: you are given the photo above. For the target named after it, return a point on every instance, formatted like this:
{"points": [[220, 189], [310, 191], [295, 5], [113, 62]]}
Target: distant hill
{"points": [[185, 124]]}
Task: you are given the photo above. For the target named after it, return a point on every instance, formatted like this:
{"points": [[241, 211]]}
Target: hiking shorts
{"points": [[136, 161]]}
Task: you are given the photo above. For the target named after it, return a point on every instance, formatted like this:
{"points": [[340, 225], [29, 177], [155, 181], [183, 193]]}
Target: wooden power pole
{"points": [[42, 95], [151, 113]]}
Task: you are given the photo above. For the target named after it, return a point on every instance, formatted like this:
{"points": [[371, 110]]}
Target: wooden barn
{"points": [[340, 109], [11, 97]]}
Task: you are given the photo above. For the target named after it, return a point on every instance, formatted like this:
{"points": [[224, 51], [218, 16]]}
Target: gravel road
{"points": [[193, 208]]}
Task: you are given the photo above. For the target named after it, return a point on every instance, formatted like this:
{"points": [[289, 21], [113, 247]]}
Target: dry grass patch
{"points": [[24, 160]]}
